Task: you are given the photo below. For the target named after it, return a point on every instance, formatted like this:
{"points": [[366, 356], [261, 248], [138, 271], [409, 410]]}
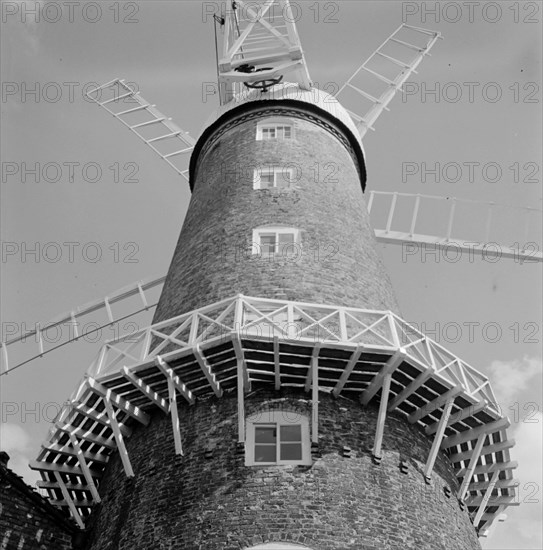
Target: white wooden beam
{"points": [[489, 468], [475, 454], [118, 438], [70, 451], [433, 405], [172, 397], [152, 395], [70, 486], [87, 435], [353, 360], [474, 433], [56, 467], [459, 416], [494, 501], [485, 499], [391, 365], [206, 369], [438, 437], [169, 373], [376, 452], [487, 449], [500, 484], [75, 513], [85, 468]]}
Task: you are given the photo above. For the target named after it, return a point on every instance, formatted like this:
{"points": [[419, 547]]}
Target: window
{"points": [[277, 437], [282, 241], [273, 130], [273, 176]]}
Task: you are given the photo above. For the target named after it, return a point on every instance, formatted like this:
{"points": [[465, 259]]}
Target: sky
{"points": [[122, 207]]}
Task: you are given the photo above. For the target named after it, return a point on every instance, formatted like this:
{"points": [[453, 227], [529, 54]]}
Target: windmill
{"points": [[294, 67]]}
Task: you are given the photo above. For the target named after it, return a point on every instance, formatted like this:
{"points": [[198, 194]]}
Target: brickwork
{"points": [[213, 501], [27, 521], [337, 262]]}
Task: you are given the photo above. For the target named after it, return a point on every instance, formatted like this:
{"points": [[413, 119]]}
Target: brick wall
{"points": [[192, 502], [338, 263], [27, 521]]}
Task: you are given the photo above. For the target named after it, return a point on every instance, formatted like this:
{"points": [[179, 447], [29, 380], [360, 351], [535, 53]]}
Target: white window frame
{"points": [[279, 173], [277, 419], [278, 230], [274, 124]]}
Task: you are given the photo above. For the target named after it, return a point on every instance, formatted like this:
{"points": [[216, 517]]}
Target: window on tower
{"points": [[280, 241], [270, 177], [274, 129], [277, 437]]}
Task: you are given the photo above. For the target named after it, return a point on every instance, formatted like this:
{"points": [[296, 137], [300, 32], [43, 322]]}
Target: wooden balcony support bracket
{"points": [[118, 438], [353, 360], [206, 369], [486, 498], [75, 513], [241, 397], [487, 449], [85, 468], [434, 405], [174, 386], [168, 372], [314, 370], [476, 453], [392, 364], [88, 435], [436, 443], [99, 417], [380, 428], [120, 403], [240, 356], [138, 383], [172, 398]]}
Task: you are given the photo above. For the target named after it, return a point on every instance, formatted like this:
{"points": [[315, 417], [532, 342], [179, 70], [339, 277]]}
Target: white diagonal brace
{"points": [[241, 402], [440, 432], [172, 397], [488, 493], [459, 416], [434, 405], [120, 403], [118, 438], [380, 428], [353, 360], [85, 468], [314, 368], [206, 369], [489, 468], [69, 500], [494, 501], [168, 372], [391, 365], [240, 356], [476, 453], [474, 433], [152, 395]]}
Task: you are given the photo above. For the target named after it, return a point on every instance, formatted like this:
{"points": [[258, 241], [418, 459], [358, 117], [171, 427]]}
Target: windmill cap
{"points": [[317, 100]]}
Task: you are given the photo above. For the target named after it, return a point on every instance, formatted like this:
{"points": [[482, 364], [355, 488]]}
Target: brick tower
{"points": [[278, 401]]}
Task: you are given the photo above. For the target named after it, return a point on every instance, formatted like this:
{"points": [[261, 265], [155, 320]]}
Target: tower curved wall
{"points": [[209, 499], [335, 261]]}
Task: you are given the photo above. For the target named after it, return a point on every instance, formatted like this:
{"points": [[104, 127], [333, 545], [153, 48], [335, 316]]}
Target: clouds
{"points": [[516, 386], [17, 443]]}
